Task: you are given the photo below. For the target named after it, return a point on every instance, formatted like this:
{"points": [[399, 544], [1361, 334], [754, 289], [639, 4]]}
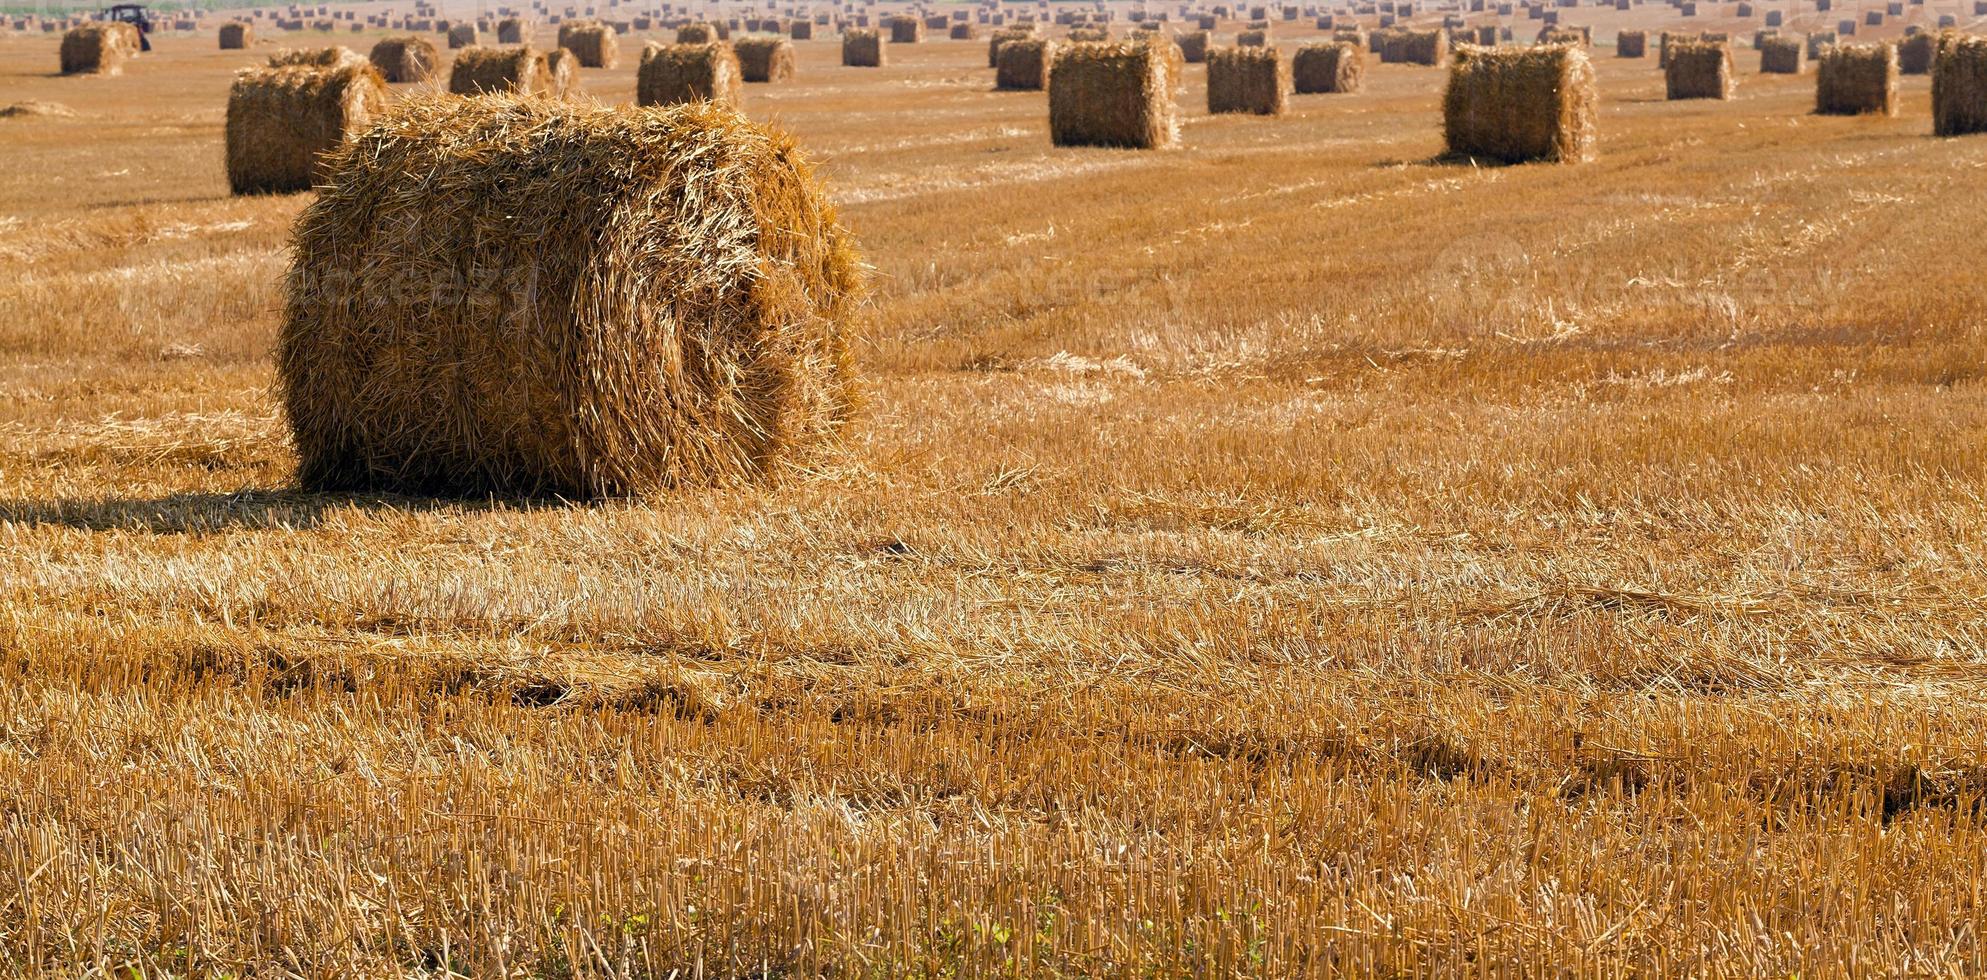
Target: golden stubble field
{"points": [[1281, 556]]}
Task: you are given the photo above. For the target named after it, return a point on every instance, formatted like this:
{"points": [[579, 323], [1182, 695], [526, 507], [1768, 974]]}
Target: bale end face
{"points": [[1114, 95], [689, 325], [1516, 105], [1247, 80]]}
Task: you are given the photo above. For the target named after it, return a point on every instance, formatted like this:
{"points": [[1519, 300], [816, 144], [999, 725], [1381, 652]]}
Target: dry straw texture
{"points": [[764, 59], [592, 42], [1024, 65], [564, 68], [1631, 44], [1089, 35], [1699, 70], [94, 49], [676, 73], [463, 35], [1328, 66], [1251, 80], [1782, 55], [1193, 46], [1515, 105], [1959, 86], [1914, 54], [674, 308], [1118, 95], [237, 34], [512, 30], [906, 30], [485, 69], [1853, 79], [337, 56], [862, 47], [405, 58], [696, 34], [282, 121], [1000, 37]]}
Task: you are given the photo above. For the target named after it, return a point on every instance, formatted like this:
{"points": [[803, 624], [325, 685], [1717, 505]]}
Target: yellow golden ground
{"points": [[1284, 555]]}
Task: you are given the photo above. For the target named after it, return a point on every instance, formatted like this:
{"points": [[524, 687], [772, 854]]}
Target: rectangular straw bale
{"points": [[1631, 44], [463, 36], [801, 30], [1515, 105], [963, 32], [677, 73], [94, 49], [696, 34], [236, 35], [281, 122], [1699, 69], [1251, 80], [1818, 42], [905, 30], [1410, 47], [1782, 56], [1853, 79], [1251, 39], [1000, 37], [764, 59], [862, 47], [1914, 54], [484, 69], [1328, 67], [511, 30], [1023, 64], [1959, 86], [1113, 94]]}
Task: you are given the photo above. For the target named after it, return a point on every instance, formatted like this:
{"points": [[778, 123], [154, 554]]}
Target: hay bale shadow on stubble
{"points": [[205, 513]]}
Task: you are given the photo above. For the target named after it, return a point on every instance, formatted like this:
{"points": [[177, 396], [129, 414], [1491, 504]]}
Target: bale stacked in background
{"points": [[1252, 80], [1023, 65], [1959, 86], [1121, 95], [1818, 42], [1914, 54], [1631, 44], [1089, 35], [700, 335], [801, 30], [591, 41], [764, 59], [676, 73], [1515, 105], [511, 30], [1258, 38], [563, 67], [1699, 70], [281, 122], [862, 47], [1193, 46], [696, 34], [1414, 47], [236, 35], [1782, 56], [906, 30], [963, 32], [405, 58], [333, 57], [1852, 79], [481, 69], [1001, 37], [94, 49], [1328, 66], [463, 36]]}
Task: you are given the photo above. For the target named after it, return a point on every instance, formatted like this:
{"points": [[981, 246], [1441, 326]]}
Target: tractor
{"points": [[137, 16]]}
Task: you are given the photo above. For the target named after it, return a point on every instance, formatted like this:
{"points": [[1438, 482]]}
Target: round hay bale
{"points": [[963, 32], [1252, 80], [95, 49], [674, 73], [337, 56], [905, 30], [862, 47], [1515, 105], [564, 68], [1117, 95], [282, 121], [1631, 44], [405, 58], [1328, 67], [1023, 64], [764, 59], [512, 30], [1257, 38], [696, 34], [481, 70], [801, 30], [1853, 79], [998, 38], [675, 305], [593, 42], [236, 35], [463, 36]]}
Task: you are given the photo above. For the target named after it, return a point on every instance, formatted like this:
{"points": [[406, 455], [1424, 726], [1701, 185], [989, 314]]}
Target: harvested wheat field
{"points": [[1292, 551]]}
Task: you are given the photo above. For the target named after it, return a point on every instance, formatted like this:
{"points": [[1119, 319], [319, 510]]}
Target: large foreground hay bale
{"points": [[281, 121], [862, 47], [1914, 54], [482, 70], [1023, 65], [1252, 80], [512, 30], [1120, 95], [905, 30], [463, 35], [1959, 86], [405, 58], [236, 35], [1329, 66], [1699, 70], [674, 73], [764, 59], [94, 49], [1631, 44], [564, 68], [676, 308], [1515, 105], [593, 42], [1782, 55], [1852, 79]]}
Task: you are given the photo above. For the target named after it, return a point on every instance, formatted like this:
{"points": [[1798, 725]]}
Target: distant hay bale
{"points": [[34, 108], [963, 32], [281, 122], [511, 30], [1023, 65], [236, 35], [1631, 44], [1699, 70], [405, 58], [905, 30], [696, 34], [1089, 35], [1405, 47], [481, 70], [1117, 95], [1853, 79], [862, 47], [1328, 67], [801, 30], [593, 42], [1775, 18], [1515, 105], [95, 49], [1001, 37], [564, 68], [333, 57], [1565, 34], [1818, 42], [463, 36], [686, 319], [676, 73], [1914, 54], [1959, 86], [1781, 56], [1250, 80], [764, 59]]}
